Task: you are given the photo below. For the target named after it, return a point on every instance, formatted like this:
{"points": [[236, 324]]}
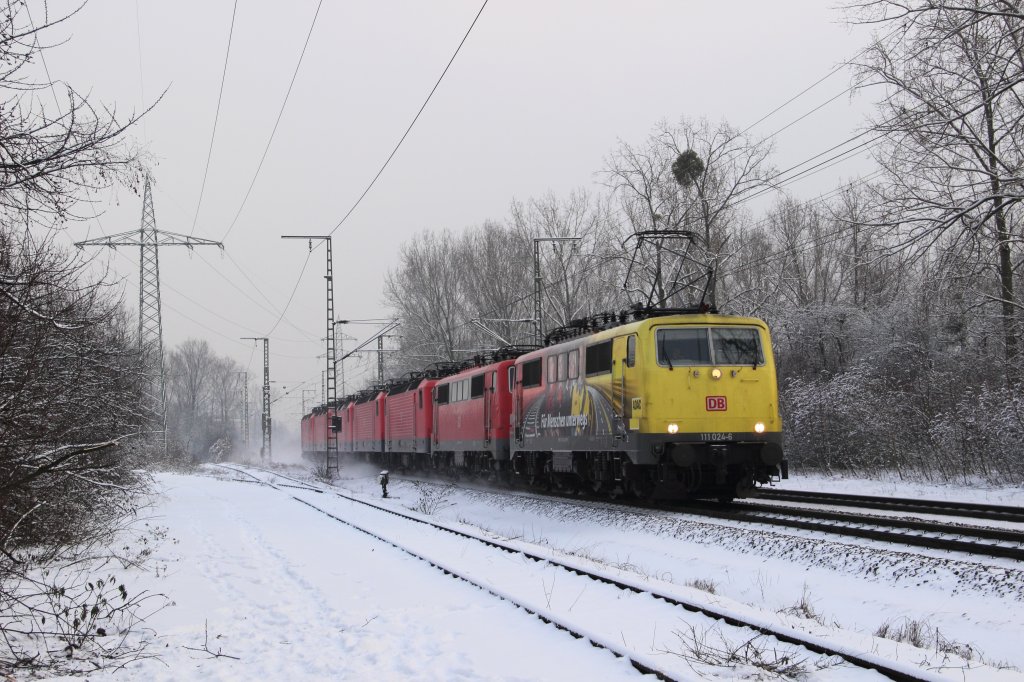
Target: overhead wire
{"points": [[455, 54], [261, 306], [277, 122], [394, 151], [267, 299], [292, 296], [216, 117], [415, 118], [207, 327], [142, 79], [838, 68], [272, 309]]}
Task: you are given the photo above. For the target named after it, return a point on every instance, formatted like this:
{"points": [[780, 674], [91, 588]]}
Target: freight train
{"points": [[656, 404]]}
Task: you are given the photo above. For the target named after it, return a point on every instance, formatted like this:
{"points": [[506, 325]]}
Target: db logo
{"points": [[716, 403]]}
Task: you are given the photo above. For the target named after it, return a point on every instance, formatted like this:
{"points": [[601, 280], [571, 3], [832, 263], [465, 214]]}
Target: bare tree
{"points": [[202, 397], [578, 278], [427, 290], [51, 157], [952, 124], [496, 294], [652, 197]]}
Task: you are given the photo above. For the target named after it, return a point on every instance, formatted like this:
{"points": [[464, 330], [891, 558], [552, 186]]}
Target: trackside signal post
{"points": [[330, 377], [265, 449]]}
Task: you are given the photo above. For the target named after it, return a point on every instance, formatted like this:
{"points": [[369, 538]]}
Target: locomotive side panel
{"points": [[424, 416], [400, 422], [368, 425]]}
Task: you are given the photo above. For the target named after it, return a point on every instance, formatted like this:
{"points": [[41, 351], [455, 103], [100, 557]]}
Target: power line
{"points": [[206, 326], [277, 122], [142, 80], [216, 116], [415, 118], [294, 289], [267, 299], [813, 85], [272, 309], [393, 151]]}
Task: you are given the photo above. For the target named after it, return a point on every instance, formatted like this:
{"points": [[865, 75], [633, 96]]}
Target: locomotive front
{"points": [[671, 406], [704, 404]]}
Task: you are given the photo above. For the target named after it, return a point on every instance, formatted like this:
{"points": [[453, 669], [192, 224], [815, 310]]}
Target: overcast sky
{"points": [[537, 98]]}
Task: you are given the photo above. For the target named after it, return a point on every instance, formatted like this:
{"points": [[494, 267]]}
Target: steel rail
{"points": [[940, 507], [791, 636], [454, 572], [811, 519], [979, 532]]}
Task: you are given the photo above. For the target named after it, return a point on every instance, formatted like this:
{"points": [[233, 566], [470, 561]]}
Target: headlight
{"points": [[716, 373], [759, 427], [674, 428]]}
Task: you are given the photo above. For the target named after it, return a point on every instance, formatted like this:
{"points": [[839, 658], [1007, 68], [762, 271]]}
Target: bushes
{"points": [[70, 381], [864, 421]]}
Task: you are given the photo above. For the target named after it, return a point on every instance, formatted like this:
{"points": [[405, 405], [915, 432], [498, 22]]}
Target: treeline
{"points": [[205, 413], [893, 299]]}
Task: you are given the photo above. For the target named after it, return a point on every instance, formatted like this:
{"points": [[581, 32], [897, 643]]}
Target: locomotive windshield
{"points": [[714, 346]]}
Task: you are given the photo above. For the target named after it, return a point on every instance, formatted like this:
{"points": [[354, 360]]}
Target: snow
{"points": [[292, 592], [892, 485]]}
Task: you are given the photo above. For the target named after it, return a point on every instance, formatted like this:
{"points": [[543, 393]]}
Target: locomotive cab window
{"points": [[599, 358], [511, 378], [734, 346], [532, 373], [683, 346], [631, 351], [702, 346], [477, 386], [442, 394]]}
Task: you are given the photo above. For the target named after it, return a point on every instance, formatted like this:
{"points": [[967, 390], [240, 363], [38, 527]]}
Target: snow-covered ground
{"points": [[892, 485], [291, 592]]}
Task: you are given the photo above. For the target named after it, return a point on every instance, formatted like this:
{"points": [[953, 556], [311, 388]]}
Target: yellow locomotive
{"points": [[670, 406]]}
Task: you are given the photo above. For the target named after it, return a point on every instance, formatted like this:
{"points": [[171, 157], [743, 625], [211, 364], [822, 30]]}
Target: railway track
{"points": [[970, 539], [974, 540], [991, 512], [868, 660]]}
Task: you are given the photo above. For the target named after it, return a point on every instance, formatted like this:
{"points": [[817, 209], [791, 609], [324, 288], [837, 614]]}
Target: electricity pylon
{"points": [[151, 333]]}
